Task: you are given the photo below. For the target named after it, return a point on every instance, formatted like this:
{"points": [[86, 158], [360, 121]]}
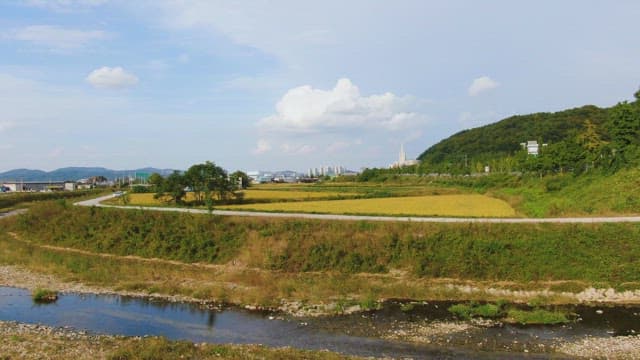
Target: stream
{"points": [[356, 334]]}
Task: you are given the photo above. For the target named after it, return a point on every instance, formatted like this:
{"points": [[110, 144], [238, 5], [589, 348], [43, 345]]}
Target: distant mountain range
{"points": [[74, 173]]}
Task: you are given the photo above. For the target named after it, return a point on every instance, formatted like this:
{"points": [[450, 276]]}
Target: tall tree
{"points": [[173, 187], [207, 179], [240, 179], [624, 125], [156, 181]]}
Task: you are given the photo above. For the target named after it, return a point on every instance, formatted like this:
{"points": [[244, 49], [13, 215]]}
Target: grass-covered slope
{"points": [[503, 138], [606, 253]]}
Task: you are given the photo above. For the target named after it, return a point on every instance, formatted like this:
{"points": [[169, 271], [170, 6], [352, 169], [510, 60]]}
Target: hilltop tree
{"points": [[591, 142], [624, 125]]}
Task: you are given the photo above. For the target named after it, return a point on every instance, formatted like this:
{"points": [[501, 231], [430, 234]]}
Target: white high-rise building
{"points": [[402, 159]]}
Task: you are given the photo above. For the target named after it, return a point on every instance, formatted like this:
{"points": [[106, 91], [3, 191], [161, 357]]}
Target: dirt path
{"points": [[564, 220], [121, 257], [12, 213]]}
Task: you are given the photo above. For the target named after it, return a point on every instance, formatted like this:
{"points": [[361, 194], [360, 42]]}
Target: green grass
{"points": [[567, 195], [468, 311], [40, 295], [603, 254], [14, 200], [504, 312], [537, 317]]}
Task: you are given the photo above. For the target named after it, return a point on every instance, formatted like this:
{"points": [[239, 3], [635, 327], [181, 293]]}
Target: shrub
{"points": [[44, 295]]}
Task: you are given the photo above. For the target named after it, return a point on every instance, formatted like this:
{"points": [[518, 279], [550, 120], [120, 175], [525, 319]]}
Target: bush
{"points": [[44, 295], [538, 317], [468, 311]]}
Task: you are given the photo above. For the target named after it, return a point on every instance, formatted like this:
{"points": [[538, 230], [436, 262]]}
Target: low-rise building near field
{"points": [[37, 186]]}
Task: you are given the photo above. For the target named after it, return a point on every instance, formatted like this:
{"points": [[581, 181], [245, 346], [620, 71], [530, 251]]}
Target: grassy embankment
{"points": [[590, 194], [11, 201], [260, 261]]}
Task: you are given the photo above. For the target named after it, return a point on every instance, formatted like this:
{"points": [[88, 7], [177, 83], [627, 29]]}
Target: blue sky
{"points": [[292, 84]]}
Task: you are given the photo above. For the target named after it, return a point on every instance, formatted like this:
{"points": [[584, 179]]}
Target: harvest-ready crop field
{"points": [[251, 195], [439, 205]]}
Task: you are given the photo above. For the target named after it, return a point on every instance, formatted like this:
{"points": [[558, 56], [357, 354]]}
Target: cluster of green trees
{"points": [[206, 181], [611, 146]]}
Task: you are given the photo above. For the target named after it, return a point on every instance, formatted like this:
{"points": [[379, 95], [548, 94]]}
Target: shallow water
{"points": [[353, 334]]}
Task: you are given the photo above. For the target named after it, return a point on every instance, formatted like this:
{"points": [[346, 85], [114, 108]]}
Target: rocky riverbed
{"points": [[27, 341]]}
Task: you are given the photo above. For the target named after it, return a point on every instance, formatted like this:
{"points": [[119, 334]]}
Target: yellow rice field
{"points": [[249, 195], [469, 205]]}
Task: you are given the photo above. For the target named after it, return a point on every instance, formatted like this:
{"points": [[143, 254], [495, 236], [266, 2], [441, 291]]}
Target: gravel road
{"points": [[566, 220]]}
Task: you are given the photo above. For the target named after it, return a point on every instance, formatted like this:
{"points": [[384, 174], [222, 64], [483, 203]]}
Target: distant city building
{"points": [[253, 175], [36, 186], [402, 159], [336, 170], [262, 177]]}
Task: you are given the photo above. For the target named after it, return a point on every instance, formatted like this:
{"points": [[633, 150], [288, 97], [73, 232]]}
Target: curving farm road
{"points": [[566, 220]]}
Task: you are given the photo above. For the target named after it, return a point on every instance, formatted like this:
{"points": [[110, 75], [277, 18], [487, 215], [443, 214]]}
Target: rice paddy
{"points": [[250, 195], [466, 205]]}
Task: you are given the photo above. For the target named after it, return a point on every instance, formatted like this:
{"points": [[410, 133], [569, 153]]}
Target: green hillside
{"points": [[576, 140], [503, 138]]}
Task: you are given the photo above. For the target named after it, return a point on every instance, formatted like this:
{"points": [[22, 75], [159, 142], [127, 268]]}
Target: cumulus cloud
{"points": [[262, 147], [55, 37], [482, 84], [111, 78], [305, 109]]}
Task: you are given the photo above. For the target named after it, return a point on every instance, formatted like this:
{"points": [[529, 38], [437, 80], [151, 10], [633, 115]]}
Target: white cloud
{"points": [[297, 149], [262, 147], [482, 84], [308, 110], [111, 78], [6, 125], [55, 37]]}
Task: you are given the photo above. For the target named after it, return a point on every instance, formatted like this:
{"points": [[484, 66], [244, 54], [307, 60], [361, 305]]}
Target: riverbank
{"points": [[29, 341], [477, 334]]}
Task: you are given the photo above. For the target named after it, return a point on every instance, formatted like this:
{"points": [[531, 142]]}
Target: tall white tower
{"points": [[403, 156]]}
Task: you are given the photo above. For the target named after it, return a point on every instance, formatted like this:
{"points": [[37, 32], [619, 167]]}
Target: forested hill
{"points": [[502, 139]]}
